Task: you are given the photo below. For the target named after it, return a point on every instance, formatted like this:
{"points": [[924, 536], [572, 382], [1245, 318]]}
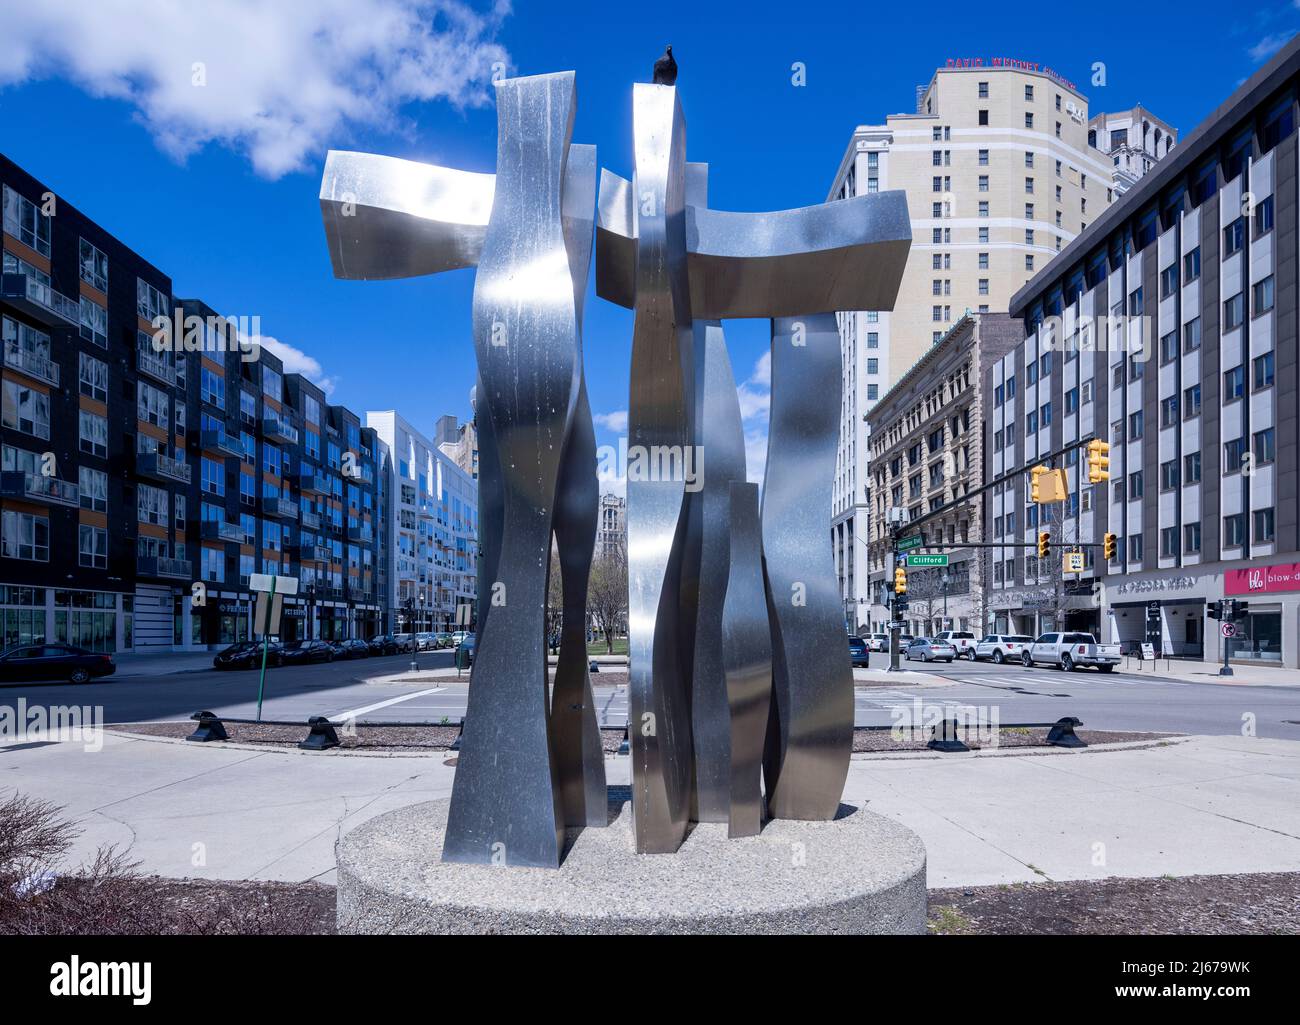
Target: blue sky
{"points": [[217, 185]]}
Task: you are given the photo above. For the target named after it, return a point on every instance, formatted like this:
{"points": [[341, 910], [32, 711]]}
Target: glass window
{"points": [[93, 434], [26, 410], [94, 488], [94, 266], [94, 323], [25, 536], [92, 547], [24, 220]]}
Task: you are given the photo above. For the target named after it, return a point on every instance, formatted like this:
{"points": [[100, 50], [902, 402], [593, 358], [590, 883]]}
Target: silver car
{"points": [[929, 649]]}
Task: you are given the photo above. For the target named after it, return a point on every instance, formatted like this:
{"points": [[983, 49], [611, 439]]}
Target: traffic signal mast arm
{"points": [[896, 530]]}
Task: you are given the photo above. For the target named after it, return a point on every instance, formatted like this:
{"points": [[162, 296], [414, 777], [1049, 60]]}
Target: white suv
{"points": [[962, 640], [1001, 648]]}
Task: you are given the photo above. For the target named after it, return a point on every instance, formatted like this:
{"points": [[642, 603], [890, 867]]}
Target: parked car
{"points": [[859, 653], [904, 640], [405, 642], [998, 648], [25, 662], [297, 653], [426, 641], [246, 655], [467, 645], [354, 648], [458, 638], [1071, 651], [442, 640], [877, 642], [384, 644], [962, 640], [929, 649]]}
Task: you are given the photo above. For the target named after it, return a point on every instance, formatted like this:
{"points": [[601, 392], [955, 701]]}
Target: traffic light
{"points": [[1109, 545], [1044, 543], [1035, 491], [1215, 611], [1098, 461], [900, 580]]}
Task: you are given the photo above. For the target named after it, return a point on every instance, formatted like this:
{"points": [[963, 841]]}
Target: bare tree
{"points": [[607, 593], [554, 601]]}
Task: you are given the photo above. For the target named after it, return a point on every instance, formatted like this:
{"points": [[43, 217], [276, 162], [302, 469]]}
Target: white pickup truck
{"points": [[1071, 651]]}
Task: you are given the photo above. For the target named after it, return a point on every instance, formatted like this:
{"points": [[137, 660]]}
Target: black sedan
{"points": [[859, 652], [352, 649], [27, 662], [384, 644], [466, 646], [299, 653], [247, 655]]}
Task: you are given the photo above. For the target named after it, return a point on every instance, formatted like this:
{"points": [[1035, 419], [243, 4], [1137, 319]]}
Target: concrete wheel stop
{"points": [[861, 873]]}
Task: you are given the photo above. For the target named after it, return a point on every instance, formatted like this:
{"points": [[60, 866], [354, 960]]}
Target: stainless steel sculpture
{"points": [[747, 654], [811, 727], [718, 434], [524, 229], [579, 756], [848, 254]]}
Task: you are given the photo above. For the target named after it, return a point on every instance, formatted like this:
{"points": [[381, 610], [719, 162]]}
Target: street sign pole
{"points": [[266, 641]]}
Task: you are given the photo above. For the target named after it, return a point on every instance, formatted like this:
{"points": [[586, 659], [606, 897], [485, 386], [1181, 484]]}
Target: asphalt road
{"points": [[1117, 701]]}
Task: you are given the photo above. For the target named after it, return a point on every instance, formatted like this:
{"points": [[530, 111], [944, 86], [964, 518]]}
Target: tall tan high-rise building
{"points": [[999, 178]]}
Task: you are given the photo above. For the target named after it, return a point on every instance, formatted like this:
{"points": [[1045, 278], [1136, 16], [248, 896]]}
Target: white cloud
{"points": [[1268, 46], [281, 81], [615, 421], [755, 394], [297, 362]]}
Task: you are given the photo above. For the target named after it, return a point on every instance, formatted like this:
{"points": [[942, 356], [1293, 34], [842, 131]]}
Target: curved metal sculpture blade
{"points": [[391, 218], [659, 415], [811, 732], [575, 733], [505, 804], [747, 653], [720, 435], [845, 255]]}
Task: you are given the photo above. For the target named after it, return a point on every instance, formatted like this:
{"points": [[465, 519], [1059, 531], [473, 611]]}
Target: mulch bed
{"points": [[1262, 903], [877, 741], [440, 738]]}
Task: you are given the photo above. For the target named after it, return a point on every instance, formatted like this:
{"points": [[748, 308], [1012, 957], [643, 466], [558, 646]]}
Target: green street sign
{"points": [[926, 560], [906, 543]]}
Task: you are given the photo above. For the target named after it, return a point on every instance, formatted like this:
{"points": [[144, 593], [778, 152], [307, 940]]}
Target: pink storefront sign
{"points": [[1263, 579]]}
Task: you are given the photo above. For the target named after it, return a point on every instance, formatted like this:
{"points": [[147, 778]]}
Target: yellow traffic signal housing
{"points": [[1109, 544], [1047, 485], [1098, 461], [1044, 541], [900, 580]]}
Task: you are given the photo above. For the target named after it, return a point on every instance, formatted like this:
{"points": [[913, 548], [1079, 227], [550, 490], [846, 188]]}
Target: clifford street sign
{"points": [[927, 560]]}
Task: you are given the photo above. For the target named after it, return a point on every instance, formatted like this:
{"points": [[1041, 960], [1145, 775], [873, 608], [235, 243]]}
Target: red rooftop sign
{"points": [[1263, 579]]}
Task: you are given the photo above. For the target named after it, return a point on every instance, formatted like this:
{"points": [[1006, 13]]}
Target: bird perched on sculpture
{"points": [[666, 69]]}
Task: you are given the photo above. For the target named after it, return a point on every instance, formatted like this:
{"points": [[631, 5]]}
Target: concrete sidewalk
{"points": [[1204, 805], [1208, 672]]}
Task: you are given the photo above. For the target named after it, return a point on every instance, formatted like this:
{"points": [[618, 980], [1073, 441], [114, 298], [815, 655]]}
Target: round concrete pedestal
{"points": [[858, 874]]}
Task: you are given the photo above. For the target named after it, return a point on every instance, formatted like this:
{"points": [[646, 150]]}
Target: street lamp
{"points": [[946, 579]]}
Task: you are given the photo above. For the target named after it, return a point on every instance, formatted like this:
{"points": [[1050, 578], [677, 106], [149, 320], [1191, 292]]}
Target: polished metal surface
{"points": [[721, 437], [811, 732], [845, 255], [659, 415], [506, 805], [747, 654], [575, 733], [391, 218]]}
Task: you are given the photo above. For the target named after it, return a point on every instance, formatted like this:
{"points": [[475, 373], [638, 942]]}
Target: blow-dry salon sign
{"points": [[1263, 579]]}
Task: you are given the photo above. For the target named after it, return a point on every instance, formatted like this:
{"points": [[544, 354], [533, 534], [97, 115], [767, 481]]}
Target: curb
{"points": [[1017, 752]]}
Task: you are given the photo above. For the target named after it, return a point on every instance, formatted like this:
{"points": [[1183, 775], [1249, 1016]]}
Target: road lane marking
{"points": [[357, 712]]}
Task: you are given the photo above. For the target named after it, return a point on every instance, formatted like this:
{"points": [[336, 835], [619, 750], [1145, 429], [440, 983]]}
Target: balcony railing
{"points": [[161, 467], [310, 520], [162, 566], [155, 366], [40, 301], [310, 482], [220, 530], [220, 441], [38, 488], [362, 533], [277, 429], [280, 508], [32, 364], [315, 553]]}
